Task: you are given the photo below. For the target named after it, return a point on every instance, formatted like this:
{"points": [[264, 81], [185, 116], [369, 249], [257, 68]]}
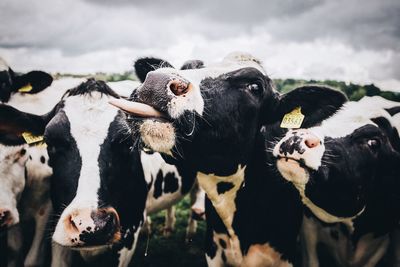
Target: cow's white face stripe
{"points": [[89, 118]]}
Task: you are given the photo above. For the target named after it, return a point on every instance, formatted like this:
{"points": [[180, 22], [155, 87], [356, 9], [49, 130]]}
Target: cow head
{"points": [[210, 117], [12, 175], [215, 111], [92, 187], [10, 82], [335, 165]]}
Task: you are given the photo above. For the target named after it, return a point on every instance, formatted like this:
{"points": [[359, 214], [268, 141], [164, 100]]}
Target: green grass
{"points": [[173, 250]]}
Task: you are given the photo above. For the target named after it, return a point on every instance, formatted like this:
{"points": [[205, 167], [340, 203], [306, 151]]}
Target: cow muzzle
{"points": [[87, 228], [297, 153]]}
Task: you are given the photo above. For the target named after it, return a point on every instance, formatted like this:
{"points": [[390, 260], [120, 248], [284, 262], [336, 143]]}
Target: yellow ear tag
{"points": [[293, 119], [32, 139], [25, 89]]}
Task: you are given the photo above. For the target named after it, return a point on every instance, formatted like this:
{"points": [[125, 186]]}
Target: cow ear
{"points": [[13, 123], [32, 82], [316, 102], [192, 64], [145, 65]]}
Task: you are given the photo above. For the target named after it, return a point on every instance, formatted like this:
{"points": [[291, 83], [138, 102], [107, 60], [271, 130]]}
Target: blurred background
{"points": [[352, 41]]}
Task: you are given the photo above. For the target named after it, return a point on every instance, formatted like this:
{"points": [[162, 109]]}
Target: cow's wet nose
{"points": [[299, 141], [312, 141], [93, 227], [179, 87], [6, 218]]}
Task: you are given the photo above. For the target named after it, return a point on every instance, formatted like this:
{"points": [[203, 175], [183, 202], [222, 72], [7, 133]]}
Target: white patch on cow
{"points": [[152, 165], [3, 65], [354, 115], [12, 174], [36, 169], [223, 203], [89, 117]]}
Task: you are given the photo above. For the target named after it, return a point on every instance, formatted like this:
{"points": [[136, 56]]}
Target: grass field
{"points": [[171, 251]]}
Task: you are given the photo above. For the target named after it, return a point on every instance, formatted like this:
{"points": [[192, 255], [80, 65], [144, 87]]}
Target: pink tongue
{"points": [[138, 109]]}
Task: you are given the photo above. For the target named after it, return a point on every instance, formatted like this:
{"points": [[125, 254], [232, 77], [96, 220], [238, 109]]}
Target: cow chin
{"points": [[158, 136], [292, 171]]}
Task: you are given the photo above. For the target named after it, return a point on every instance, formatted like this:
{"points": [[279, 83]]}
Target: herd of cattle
{"points": [[272, 174]]}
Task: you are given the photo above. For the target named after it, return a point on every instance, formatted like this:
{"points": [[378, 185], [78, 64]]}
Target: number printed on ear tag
{"points": [[32, 139], [25, 89], [293, 119]]}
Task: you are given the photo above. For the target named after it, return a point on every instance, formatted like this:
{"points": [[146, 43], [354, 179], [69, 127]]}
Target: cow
{"points": [[100, 182], [29, 83], [12, 171], [346, 171], [36, 195], [210, 120]]}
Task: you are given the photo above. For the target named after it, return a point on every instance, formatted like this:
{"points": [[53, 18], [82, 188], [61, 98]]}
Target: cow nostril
{"points": [[5, 217], [178, 87], [312, 142], [72, 224]]}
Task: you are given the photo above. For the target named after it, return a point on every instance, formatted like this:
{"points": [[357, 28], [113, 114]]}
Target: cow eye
{"points": [[373, 143], [254, 87]]}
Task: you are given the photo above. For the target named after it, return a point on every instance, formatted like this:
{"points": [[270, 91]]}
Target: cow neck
{"points": [[321, 213], [224, 202]]}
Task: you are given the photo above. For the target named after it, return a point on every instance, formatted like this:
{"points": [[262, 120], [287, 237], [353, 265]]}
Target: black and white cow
{"points": [[36, 194], [209, 119], [12, 83], [347, 172], [98, 187]]}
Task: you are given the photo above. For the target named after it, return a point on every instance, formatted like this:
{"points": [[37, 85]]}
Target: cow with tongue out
{"points": [[210, 120]]}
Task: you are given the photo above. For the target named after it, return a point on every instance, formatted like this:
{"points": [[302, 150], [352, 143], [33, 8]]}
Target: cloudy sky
{"points": [[350, 40]]}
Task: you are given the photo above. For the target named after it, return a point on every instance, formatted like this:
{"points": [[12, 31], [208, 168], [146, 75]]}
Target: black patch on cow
{"points": [[291, 145], [223, 256], [90, 86], [39, 81], [211, 251], [393, 111], [65, 159], [170, 183], [105, 228], [223, 187], [145, 65], [5, 86], [222, 243], [334, 234], [122, 182], [158, 185]]}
